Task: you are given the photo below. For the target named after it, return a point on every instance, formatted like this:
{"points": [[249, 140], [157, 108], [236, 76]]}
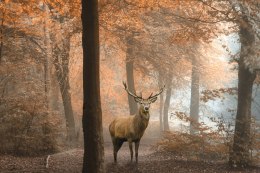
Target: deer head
{"points": [[144, 103]]}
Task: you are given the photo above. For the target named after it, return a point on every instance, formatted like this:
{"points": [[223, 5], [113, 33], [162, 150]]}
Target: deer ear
{"points": [[153, 99]]}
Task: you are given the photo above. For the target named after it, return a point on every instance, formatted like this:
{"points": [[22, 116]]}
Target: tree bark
{"points": [[166, 108], [161, 112], [47, 62], [161, 104], [61, 63], [194, 101], [55, 92], [130, 75], [93, 161], [2, 36], [51, 81], [240, 155]]}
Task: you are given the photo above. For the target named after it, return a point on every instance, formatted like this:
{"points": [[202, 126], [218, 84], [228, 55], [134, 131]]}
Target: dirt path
{"points": [[149, 162]]}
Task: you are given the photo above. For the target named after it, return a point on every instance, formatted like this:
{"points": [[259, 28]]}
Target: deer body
{"points": [[131, 128]]}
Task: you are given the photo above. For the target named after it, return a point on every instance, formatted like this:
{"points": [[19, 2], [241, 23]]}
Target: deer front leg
{"points": [[136, 150], [131, 149], [114, 149], [117, 143]]}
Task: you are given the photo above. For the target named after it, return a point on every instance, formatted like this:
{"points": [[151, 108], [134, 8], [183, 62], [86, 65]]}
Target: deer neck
{"points": [[144, 114], [141, 120]]}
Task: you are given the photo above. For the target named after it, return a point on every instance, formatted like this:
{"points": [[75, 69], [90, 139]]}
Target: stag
{"points": [[131, 128]]}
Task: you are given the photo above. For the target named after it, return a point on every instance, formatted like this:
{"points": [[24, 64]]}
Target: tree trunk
{"points": [[51, 82], [47, 62], [62, 73], [2, 36], [55, 92], [239, 155], [194, 101], [61, 51], [161, 104], [66, 99], [65, 88], [93, 161], [166, 108], [161, 112], [130, 75]]}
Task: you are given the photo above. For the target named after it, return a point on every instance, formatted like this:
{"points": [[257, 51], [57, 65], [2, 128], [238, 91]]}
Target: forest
{"points": [[116, 86]]}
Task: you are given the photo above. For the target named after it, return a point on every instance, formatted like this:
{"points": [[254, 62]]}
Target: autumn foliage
{"points": [[198, 45]]}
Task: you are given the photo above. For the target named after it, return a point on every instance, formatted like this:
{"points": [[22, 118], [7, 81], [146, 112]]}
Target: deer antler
{"points": [[130, 93], [153, 96]]}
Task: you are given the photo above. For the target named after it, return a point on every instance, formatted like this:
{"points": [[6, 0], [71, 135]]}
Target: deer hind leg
{"points": [[117, 143], [131, 149], [136, 150]]}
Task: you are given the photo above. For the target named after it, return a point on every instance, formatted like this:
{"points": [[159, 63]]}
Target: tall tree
{"points": [[194, 101], [167, 103], [2, 33], [161, 103], [61, 63], [242, 16], [61, 57], [48, 78], [93, 160], [245, 18], [130, 74], [240, 152]]}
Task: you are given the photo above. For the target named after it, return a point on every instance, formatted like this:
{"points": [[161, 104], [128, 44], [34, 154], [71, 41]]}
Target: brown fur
{"points": [[129, 129], [132, 128]]}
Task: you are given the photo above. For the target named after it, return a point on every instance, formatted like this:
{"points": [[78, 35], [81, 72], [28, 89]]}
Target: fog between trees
{"points": [[206, 54]]}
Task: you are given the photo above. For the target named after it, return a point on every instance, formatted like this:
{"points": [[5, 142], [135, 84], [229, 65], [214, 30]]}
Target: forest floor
{"points": [[149, 162]]}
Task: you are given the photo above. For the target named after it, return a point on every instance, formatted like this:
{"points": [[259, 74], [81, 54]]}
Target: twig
{"points": [[47, 161]]}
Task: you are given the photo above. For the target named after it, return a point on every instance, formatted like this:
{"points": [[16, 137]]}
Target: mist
{"points": [[167, 86]]}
